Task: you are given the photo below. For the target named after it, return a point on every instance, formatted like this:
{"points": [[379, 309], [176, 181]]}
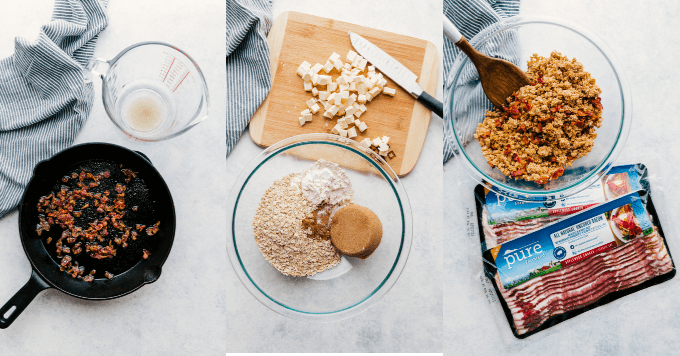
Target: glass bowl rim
{"points": [[386, 172], [602, 167]]}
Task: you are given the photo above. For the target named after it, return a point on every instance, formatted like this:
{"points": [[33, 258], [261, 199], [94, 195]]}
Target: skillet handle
{"points": [[144, 156], [21, 299]]}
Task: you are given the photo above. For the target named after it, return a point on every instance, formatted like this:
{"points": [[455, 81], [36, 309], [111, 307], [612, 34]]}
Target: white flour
{"points": [[325, 181]]}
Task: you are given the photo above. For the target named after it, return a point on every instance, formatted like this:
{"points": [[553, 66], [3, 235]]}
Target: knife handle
{"points": [[431, 103]]}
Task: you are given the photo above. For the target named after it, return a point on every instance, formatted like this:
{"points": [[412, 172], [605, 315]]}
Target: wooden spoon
{"points": [[499, 77]]}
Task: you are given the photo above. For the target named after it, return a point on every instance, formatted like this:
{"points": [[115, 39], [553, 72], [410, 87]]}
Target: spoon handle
{"points": [[451, 32]]}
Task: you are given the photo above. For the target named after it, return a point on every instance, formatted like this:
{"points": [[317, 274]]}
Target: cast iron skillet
{"points": [[46, 273]]}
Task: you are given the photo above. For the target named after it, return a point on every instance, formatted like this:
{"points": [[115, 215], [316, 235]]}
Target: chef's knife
{"points": [[396, 71]]}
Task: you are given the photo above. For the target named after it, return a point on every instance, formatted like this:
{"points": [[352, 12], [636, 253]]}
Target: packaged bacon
{"points": [[505, 219], [580, 262]]}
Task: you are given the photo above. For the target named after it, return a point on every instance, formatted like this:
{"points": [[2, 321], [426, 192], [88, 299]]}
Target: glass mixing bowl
{"points": [[516, 39], [375, 186]]}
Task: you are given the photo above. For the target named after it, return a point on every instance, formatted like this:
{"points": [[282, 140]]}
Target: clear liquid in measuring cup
{"points": [[146, 107]]}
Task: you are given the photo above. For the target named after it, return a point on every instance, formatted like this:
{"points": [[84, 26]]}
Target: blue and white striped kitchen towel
{"points": [[248, 77], [471, 17], [44, 99]]}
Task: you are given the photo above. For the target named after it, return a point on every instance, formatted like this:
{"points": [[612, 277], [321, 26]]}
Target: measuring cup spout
{"points": [[97, 66]]}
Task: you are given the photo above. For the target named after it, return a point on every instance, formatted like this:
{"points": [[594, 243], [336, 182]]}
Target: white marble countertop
{"points": [[643, 37], [184, 311], [409, 317]]}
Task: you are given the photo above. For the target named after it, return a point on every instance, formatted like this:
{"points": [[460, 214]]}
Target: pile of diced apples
{"points": [[346, 97]]}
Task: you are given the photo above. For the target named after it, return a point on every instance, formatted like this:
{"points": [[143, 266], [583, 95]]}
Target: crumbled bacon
{"points": [[95, 239]]}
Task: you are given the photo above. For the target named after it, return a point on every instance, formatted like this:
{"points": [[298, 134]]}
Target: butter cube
{"points": [[347, 66], [316, 68], [338, 99], [352, 86], [334, 57], [311, 102], [331, 98], [305, 112], [362, 107], [341, 109], [381, 82], [351, 55], [357, 59], [302, 120], [337, 64], [360, 100], [350, 110], [324, 79], [343, 133], [349, 119], [362, 64], [366, 143], [308, 86], [315, 108], [336, 129], [303, 68], [376, 142], [333, 110], [323, 95], [331, 87], [362, 127], [342, 123], [328, 67], [315, 91], [315, 79], [308, 117], [352, 133], [385, 139], [389, 91], [307, 76]]}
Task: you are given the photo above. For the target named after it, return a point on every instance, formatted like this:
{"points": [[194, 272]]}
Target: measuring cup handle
{"points": [[21, 299], [97, 66]]}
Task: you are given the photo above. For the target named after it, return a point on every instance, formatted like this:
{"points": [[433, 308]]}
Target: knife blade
{"points": [[395, 71]]}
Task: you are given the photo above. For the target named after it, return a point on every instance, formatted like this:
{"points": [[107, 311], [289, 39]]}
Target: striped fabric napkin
{"points": [[471, 17], [248, 78], [44, 98]]}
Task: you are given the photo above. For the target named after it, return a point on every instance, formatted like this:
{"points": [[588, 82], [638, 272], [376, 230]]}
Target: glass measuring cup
{"points": [[152, 91]]}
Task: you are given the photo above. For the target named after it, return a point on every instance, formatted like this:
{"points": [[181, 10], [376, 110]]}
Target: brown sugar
{"points": [[356, 231], [319, 222]]}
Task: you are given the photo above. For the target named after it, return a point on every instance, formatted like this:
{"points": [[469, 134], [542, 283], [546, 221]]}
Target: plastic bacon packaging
{"points": [[580, 261]]}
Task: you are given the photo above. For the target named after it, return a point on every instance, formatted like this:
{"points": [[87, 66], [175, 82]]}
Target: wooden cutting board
{"points": [[296, 37]]}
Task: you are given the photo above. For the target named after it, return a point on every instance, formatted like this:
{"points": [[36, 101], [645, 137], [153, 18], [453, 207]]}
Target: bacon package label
{"points": [[502, 209], [571, 240], [619, 180]]}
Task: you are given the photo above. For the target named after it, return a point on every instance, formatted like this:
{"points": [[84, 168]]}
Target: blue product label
{"points": [[561, 244], [618, 181], [501, 209]]}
